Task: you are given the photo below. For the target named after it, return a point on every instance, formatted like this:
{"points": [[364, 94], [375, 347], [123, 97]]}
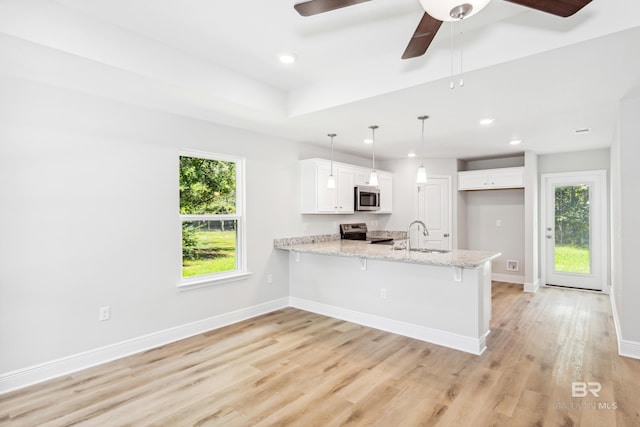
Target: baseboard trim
{"points": [[532, 287], [616, 320], [435, 336], [625, 347], [509, 278], [629, 349], [45, 371]]}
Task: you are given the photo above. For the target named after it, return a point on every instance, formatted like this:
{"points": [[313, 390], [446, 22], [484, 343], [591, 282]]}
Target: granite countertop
{"points": [[329, 245]]}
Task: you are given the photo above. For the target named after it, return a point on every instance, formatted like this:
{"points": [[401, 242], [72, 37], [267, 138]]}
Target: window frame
{"points": [[240, 272]]}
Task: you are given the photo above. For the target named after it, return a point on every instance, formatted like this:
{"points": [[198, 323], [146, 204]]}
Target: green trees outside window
{"points": [[572, 216], [209, 214]]}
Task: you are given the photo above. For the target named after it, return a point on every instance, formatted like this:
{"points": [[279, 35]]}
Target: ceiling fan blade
{"points": [[563, 8], [314, 7], [424, 34]]}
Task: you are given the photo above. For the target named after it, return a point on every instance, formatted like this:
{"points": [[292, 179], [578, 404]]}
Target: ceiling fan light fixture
{"points": [[453, 10]]}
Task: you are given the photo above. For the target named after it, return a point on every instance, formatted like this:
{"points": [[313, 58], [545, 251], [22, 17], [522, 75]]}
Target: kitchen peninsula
{"points": [[443, 298]]}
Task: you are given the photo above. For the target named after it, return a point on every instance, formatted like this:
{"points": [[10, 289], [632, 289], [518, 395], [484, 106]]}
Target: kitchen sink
{"points": [[430, 251]]}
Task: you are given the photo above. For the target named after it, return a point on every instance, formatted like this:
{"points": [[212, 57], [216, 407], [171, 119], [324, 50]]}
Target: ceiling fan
{"points": [[438, 11]]}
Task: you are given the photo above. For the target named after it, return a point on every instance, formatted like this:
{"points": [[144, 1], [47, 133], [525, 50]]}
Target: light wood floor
{"points": [[292, 367]]}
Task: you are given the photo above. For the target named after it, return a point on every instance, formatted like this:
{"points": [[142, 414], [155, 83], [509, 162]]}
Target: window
{"points": [[212, 218]]}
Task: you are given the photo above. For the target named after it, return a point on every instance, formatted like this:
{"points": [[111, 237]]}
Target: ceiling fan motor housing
{"points": [[453, 10]]}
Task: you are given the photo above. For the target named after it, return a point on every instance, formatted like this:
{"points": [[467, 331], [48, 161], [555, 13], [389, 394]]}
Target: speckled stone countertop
{"points": [[361, 249]]}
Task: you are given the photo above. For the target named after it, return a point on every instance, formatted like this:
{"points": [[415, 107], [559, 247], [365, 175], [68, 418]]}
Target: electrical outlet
{"points": [[383, 293], [269, 278], [105, 313], [498, 223]]}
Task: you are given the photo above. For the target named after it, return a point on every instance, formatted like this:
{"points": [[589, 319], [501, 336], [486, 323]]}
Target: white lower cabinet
{"points": [[491, 179]]}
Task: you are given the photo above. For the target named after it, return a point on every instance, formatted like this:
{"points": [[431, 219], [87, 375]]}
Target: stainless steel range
{"points": [[358, 231]]}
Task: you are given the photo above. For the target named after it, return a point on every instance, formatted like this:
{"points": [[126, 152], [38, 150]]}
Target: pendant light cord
{"points": [[451, 85], [461, 51], [461, 82], [331, 135], [422, 162], [373, 146]]}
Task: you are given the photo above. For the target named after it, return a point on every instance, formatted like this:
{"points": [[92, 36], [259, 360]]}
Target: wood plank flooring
{"points": [[297, 368]]}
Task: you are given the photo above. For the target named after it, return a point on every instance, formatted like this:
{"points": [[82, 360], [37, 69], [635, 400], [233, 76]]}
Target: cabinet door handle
{"points": [[445, 235]]}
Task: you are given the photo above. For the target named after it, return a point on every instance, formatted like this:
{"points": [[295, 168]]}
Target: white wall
{"points": [[531, 223], [493, 163], [483, 209], [89, 217], [626, 232], [575, 161]]}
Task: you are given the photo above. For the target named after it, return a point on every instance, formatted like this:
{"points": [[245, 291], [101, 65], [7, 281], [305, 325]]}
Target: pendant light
{"points": [[422, 171], [373, 178], [331, 182]]}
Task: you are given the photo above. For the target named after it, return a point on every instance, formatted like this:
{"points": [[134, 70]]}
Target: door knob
{"points": [[549, 236], [548, 228], [445, 235]]}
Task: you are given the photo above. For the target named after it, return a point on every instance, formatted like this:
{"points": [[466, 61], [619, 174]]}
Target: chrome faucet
{"points": [[425, 232]]}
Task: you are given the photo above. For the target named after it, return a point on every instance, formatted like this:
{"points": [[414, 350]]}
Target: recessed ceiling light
{"points": [[287, 58], [515, 142], [368, 141], [412, 154], [486, 121]]}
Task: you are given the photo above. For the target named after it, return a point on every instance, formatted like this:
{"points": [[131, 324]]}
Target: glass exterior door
{"points": [[573, 230]]}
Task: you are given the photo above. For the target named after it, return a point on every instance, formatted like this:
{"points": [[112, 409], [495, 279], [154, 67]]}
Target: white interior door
{"points": [[574, 227], [434, 209]]}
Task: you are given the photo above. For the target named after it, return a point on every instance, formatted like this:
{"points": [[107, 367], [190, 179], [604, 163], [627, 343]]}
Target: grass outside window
{"points": [[572, 259]]}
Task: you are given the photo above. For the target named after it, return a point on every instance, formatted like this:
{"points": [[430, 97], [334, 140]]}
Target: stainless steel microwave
{"points": [[366, 198]]}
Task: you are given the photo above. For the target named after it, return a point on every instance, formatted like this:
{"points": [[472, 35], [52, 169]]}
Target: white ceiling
{"points": [[540, 76]]}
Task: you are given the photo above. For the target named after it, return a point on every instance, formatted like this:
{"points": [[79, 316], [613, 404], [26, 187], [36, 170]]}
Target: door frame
{"points": [[416, 205], [601, 212]]}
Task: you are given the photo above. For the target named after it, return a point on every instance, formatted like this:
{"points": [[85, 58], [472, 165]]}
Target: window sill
{"points": [[207, 281]]}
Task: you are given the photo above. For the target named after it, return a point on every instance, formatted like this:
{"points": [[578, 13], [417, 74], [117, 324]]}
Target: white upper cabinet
{"points": [[317, 198], [491, 179], [385, 183]]}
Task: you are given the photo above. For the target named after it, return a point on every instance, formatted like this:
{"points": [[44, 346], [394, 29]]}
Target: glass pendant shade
{"points": [[373, 179], [422, 175], [448, 10], [331, 182]]}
